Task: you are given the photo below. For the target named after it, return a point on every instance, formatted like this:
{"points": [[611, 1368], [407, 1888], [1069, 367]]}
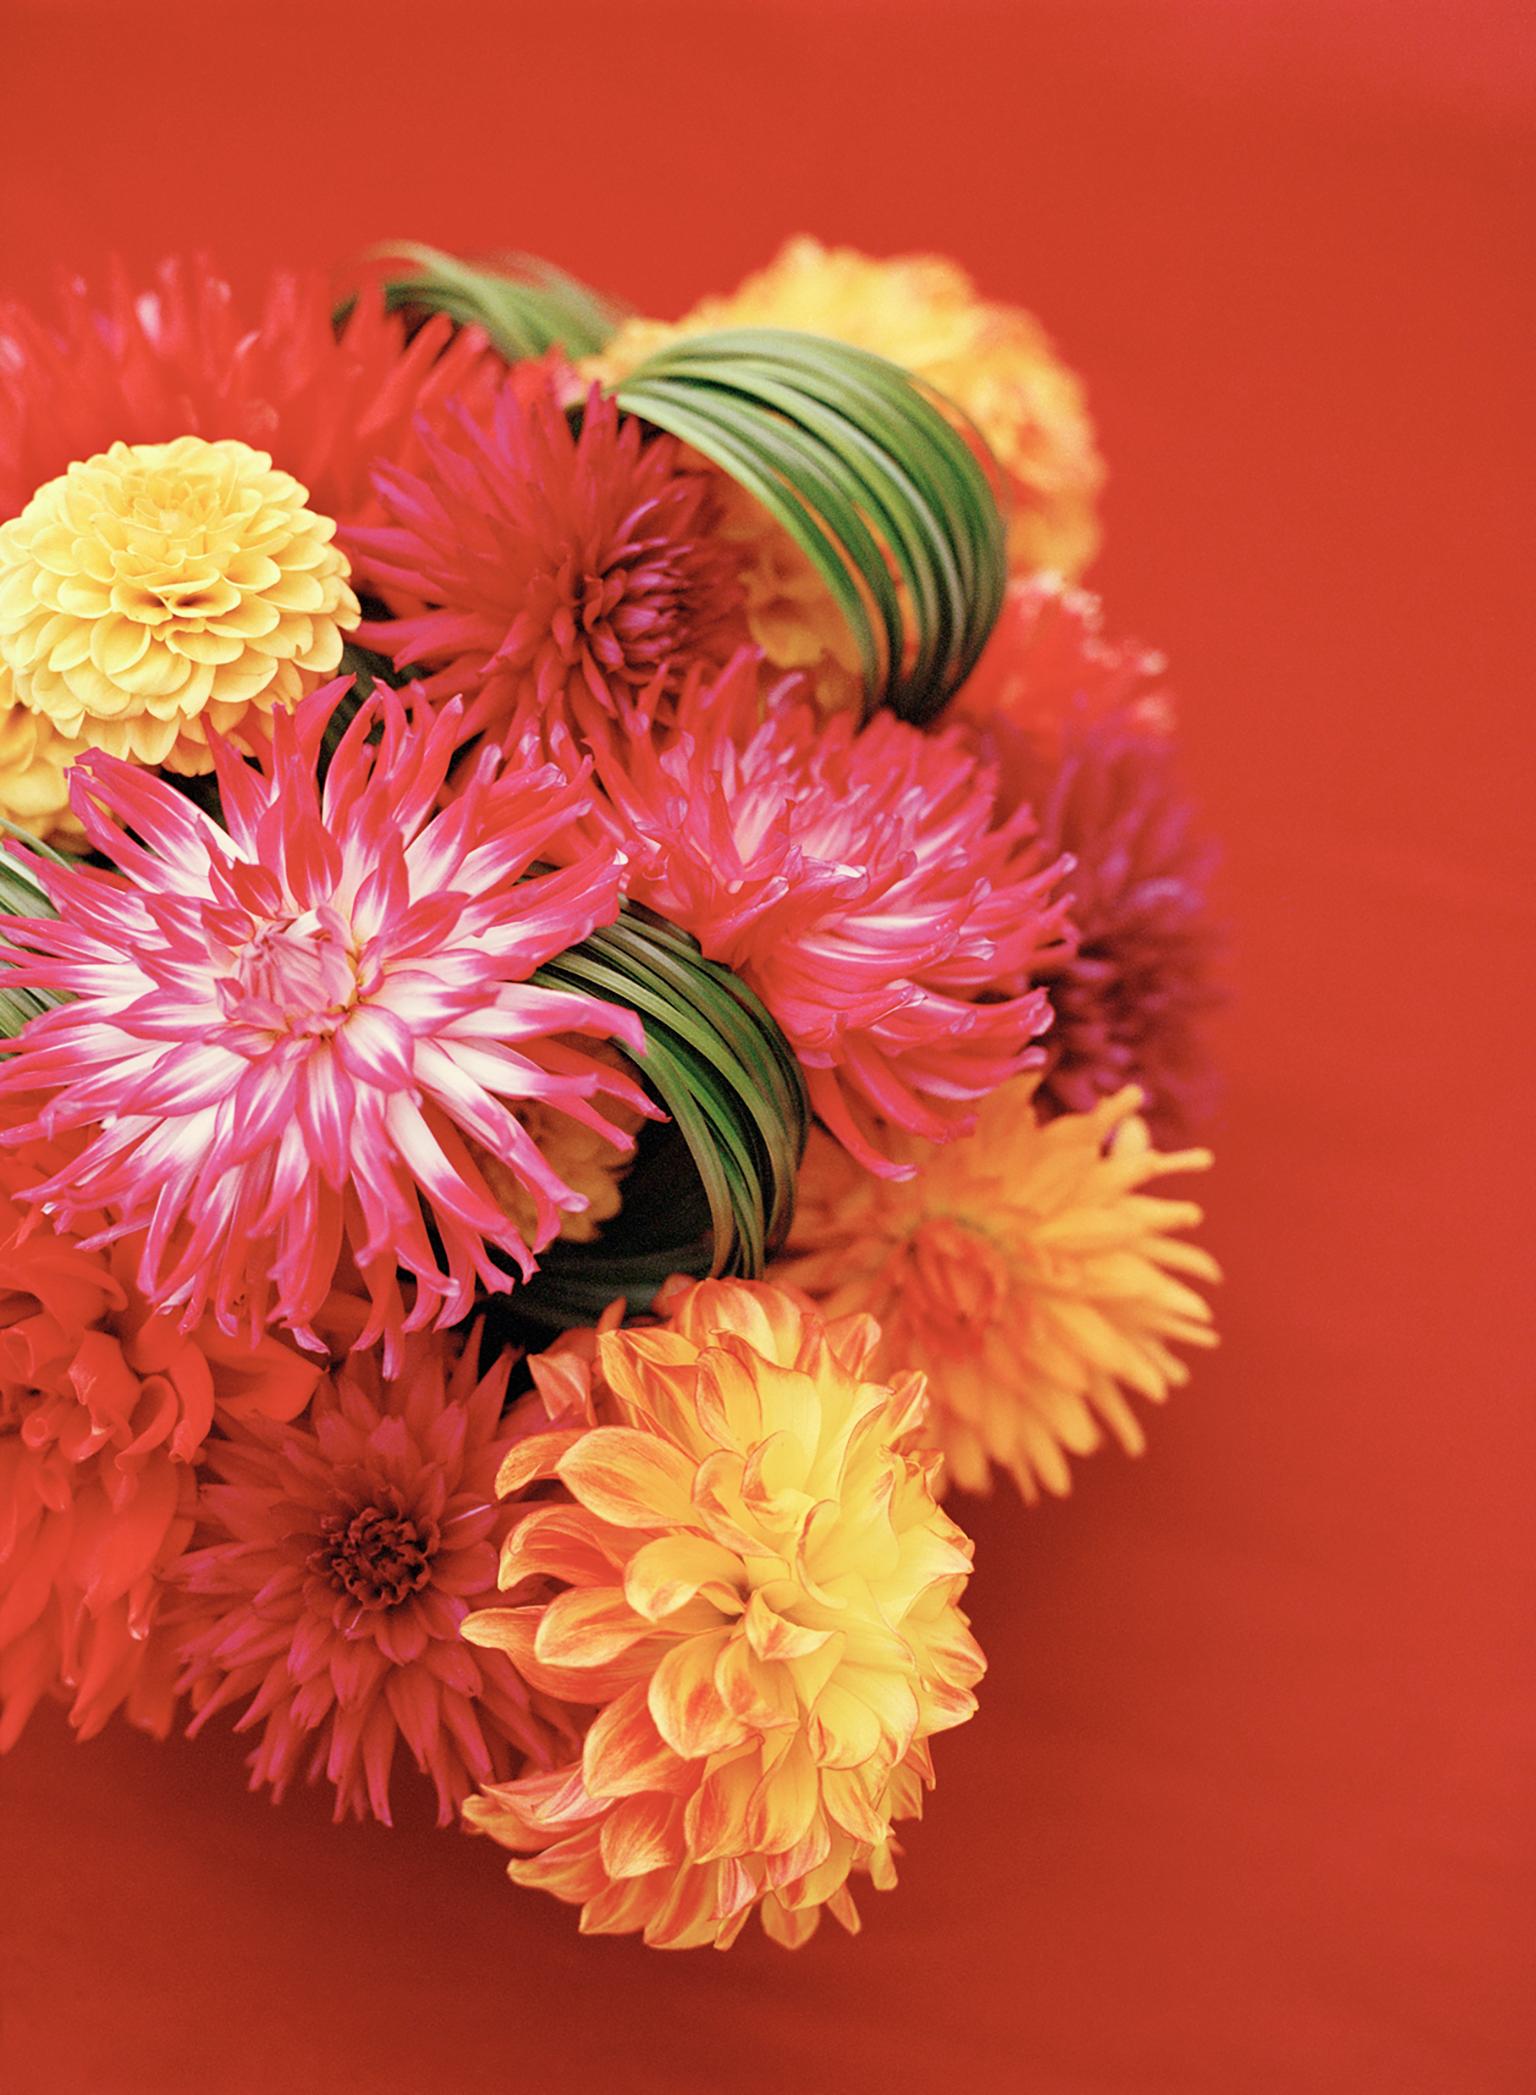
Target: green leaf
{"points": [[21, 896], [870, 476], [736, 1098], [526, 306]]}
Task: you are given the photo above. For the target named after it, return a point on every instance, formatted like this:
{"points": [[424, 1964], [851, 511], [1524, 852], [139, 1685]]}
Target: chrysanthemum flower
{"points": [[161, 592], [859, 882], [994, 362], [760, 1598], [529, 564], [279, 1036], [1026, 1271], [1081, 730], [335, 1560], [136, 364], [104, 1409]]}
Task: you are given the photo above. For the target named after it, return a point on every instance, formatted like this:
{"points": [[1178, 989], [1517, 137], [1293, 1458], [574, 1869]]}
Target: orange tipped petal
{"points": [[624, 1753], [589, 1626], [630, 1478], [688, 1708], [537, 1456], [641, 1834], [664, 1575]]}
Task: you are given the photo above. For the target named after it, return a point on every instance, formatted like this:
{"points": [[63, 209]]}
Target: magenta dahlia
{"points": [[860, 881], [145, 365], [281, 1038], [334, 1560], [1082, 732], [530, 566]]}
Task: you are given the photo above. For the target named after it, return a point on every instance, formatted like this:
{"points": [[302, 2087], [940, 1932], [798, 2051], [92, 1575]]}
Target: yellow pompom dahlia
{"points": [[995, 362], [34, 769], [759, 1596], [1026, 1270], [158, 591]]}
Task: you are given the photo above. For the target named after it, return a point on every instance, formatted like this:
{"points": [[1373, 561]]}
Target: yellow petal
{"points": [[664, 1575], [642, 1833], [687, 1706], [625, 1753], [630, 1478]]}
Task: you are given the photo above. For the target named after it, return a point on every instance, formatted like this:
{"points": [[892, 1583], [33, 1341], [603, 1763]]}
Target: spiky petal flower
{"points": [[278, 1036], [1081, 729], [160, 592], [1027, 1271], [584, 1158], [761, 1599], [530, 564], [860, 882], [335, 1560], [104, 1409], [143, 364]]}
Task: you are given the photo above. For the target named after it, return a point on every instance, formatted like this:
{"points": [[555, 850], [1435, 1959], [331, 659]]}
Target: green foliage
{"points": [[526, 306], [21, 896], [870, 478], [727, 1077]]}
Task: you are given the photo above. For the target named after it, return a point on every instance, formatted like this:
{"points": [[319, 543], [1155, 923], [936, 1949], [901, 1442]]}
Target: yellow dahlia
{"points": [[158, 591], [1026, 1270], [588, 1162], [759, 1597], [995, 362], [34, 769]]}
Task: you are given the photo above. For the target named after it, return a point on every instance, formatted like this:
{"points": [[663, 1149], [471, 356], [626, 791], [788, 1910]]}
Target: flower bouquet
{"points": [[603, 966]]}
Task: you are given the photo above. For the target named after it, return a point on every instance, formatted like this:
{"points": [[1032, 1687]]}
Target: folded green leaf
{"points": [[526, 306], [730, 1083], [870, 476], [21, 896]]}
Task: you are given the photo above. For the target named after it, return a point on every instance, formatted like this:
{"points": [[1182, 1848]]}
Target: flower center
{"points": [[299, 976], [378, 1555], [957, 1272]]}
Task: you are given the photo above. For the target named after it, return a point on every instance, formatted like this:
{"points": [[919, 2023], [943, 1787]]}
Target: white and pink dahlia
{"points": [[285, 1039], [860, 881]]}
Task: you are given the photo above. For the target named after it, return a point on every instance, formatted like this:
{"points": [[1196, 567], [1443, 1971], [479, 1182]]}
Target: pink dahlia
{"points": [[336, 1558], [104, 1409], [860, 881], [1082, 731], [179, 358], [281, 1038], [530, 565]]}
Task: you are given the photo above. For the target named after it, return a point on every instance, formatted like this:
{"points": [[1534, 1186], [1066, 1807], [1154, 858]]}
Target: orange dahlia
{"points": [[336, 1559], [144, 363], [105, 1408], [760, 1597], [1026, 1270]]}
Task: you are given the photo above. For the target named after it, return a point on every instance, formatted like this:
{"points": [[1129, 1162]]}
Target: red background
{"points": [[1249, 1806]]}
